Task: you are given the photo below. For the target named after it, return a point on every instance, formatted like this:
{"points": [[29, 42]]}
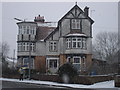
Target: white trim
{"points": [[68, 58], [76, 57], [48, 60]]}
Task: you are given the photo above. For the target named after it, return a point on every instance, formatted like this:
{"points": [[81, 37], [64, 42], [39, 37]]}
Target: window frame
{"points": [[53, 46], [75, 24], [79, 59]]}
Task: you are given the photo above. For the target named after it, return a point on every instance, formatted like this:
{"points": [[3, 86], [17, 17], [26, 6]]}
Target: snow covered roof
{"points": [[76, 34]]}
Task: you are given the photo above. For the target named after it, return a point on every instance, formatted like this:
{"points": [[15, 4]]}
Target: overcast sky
{"points": [[105, 15]]}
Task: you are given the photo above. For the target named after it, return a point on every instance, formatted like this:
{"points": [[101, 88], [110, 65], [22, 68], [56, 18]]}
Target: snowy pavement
{"points": [[106, 84]]}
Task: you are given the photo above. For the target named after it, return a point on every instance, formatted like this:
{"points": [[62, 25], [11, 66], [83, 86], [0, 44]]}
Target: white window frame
{"points": [[53, 46], [32, 46], [27, 46], [48, 62], [75, 24], [77, 57], [74, 42], [79, 42], [68, 42], [77, 63], [68, 59]]}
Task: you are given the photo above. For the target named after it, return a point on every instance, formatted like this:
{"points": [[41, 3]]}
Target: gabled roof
{"points": [[76, 6]]}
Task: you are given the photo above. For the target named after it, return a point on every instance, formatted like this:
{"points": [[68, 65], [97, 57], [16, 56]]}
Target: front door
{"points": [[52, 65]]}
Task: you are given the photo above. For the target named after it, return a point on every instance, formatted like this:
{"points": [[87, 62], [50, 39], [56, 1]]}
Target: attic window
{"points": [[75, 24]]}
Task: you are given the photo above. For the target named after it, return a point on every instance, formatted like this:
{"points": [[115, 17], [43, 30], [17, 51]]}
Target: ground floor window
{"points": [[52, 62], [79, 62], [26, 62]]}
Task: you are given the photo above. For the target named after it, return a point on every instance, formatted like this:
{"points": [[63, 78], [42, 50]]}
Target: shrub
{"points": [[67, 71]]}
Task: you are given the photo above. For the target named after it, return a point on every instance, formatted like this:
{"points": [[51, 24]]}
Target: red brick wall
{"points": [[62, 59], [40, 63]]}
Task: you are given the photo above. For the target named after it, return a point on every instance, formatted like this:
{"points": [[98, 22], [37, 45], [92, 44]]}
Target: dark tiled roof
{"points": [[43, 32], [52, 33]]}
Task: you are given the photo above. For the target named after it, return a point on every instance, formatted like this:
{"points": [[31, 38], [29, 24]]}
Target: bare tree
{"points": [[105, 47], [4, 50]]}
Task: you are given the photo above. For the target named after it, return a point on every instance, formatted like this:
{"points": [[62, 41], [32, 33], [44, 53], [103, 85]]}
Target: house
{"points": [[51, 47]]}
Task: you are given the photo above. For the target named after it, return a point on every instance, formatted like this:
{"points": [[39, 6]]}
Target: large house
{"points": [[51, 47]]}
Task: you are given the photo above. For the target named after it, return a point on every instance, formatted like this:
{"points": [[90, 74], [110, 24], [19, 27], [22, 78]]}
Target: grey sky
{"points": [[105, 15]]}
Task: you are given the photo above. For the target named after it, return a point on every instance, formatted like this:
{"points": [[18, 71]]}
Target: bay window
{"points": [[76, 42]]}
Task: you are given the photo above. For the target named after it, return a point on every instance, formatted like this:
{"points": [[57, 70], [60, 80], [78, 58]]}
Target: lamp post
{"points": [[29, 59]]}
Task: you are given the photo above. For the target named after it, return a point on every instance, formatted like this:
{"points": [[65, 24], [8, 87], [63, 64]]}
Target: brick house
{"points": [[51, 47]]}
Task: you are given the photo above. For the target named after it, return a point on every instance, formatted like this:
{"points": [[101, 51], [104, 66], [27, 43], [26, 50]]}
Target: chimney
{"points": [[86, 11], [39, 19]]}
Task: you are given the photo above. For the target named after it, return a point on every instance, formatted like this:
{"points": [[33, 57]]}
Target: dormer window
{"points": [[75, 23]]}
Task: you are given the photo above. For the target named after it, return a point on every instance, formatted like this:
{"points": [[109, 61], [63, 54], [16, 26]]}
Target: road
{"points": [[8, 85]]}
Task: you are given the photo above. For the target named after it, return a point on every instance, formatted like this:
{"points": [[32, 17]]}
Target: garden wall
{"points": [[87, 80]]}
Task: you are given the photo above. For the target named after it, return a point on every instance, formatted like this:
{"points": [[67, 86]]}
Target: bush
{"points": [[67, 71]]}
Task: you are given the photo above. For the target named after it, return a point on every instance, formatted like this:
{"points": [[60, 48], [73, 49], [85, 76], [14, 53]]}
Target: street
{"points": [[8, 85]]}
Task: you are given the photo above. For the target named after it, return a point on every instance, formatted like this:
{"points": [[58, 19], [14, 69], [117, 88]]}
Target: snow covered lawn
{"points": [[107, 84]]}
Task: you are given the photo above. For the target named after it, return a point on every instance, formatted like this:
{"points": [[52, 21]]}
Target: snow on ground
{"points": [[106, 84]]}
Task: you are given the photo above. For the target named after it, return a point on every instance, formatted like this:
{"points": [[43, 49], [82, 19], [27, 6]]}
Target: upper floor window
{"points": [[27, 30], [76, 42], [75, 24], [53, 46], [68, 42], [25, 46]]}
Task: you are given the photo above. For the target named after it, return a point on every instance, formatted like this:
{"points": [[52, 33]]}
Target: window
{"points": [[27, 46], [24, 28], [27, 29], [23, 46], [26, 62], [32, 47], [53, 46], [79, 43], [76, 42], [75, 23], [69, 59], [68, 43], [77, 62], [53, 63], [20, 46]]}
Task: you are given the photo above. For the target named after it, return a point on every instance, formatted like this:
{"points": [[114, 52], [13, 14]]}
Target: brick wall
{"points": [[62, 59], [40, 63]]}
